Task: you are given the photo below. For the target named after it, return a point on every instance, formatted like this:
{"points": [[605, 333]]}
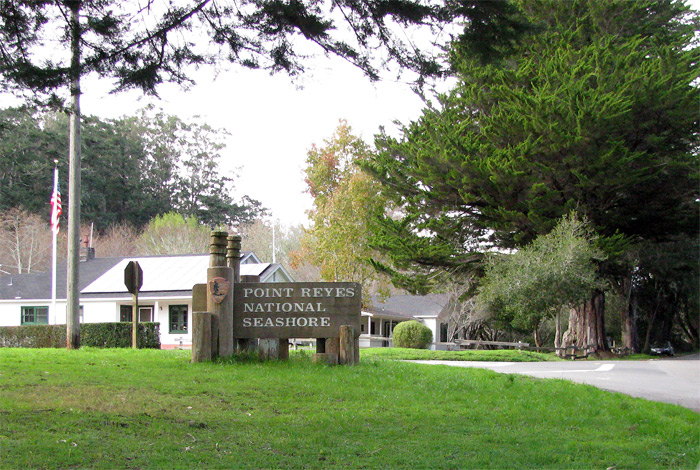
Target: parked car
{"points": [[665, 350]]}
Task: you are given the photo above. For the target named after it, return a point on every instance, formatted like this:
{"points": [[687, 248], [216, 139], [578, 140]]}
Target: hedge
{"points": [[99, 335]]}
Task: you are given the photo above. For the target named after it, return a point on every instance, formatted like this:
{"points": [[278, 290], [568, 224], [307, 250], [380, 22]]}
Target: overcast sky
{"points": [[273, 121]]}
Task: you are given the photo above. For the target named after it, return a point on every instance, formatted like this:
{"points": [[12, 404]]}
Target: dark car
{"points": [[665, 350]]}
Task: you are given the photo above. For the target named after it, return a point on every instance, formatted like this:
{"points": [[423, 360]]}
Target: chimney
{"points": [[86, 251]]}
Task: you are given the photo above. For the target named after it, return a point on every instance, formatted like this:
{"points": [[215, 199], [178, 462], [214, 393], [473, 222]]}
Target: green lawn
{"points": [[498, 355], [153, 409]]}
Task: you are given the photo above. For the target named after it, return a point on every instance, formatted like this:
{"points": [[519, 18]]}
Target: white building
{"points": [[380, 318], [165, 296]]}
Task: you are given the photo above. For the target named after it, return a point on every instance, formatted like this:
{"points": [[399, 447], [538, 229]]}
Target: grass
{"points": [[154, 409], [497, 355]]}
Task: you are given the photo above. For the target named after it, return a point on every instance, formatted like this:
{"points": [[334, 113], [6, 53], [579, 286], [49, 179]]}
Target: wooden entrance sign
{"points": [[295, 309], [243, 309]]}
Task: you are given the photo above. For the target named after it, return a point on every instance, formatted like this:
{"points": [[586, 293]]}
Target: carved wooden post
{"points": [[201, 325], [233, 256], [347, 345], [220, 297]]}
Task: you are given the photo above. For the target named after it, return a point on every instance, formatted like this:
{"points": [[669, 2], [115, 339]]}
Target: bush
{"points": [[412, 334], [118, 335], [33, 336], [99, 335]]}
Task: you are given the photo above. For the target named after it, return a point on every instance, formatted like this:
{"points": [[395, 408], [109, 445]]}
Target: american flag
{"points": [[55, 203]]}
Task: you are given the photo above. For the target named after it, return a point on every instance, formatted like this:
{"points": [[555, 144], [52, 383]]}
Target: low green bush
{"points": [[33, 336], [412, 334], [99, 335], [118, 335]]}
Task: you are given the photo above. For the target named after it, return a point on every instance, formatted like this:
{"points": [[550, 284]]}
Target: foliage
{"points": [[64, 408], [173, 234], [345, 202], [181, 160], [118, 335], [555, 271], [118, 240], [24, 239], [586, 115], [99, 335], [412, 334], [666, 287], [595, 112], [33, 336], [144, 47]]}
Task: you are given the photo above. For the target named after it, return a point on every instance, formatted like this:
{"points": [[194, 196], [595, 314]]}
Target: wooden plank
{"points": [[295, 310], [201, 336]]}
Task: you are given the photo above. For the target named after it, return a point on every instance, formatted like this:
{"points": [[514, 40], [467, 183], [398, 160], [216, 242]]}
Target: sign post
{"points": [[133, 279]]}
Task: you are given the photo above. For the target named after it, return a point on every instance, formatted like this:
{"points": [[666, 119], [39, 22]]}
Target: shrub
{"points": [[412, 334], [118, 335], [99, 335], [33, 336]]}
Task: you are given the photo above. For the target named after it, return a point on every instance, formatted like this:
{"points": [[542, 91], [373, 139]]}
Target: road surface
{"points": [[673, 380]]}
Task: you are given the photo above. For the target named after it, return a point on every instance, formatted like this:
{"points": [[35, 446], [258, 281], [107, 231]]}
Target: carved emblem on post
{"points": [[218, 288]]}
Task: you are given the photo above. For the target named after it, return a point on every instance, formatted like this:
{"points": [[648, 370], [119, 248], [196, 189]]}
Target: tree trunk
{"points": [[587, 324], [72, 280], [558, 335], [630, 335]]}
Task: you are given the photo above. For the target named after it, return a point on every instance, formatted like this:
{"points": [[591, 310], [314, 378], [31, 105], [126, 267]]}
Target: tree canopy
{"points": [[581, 117], [596, 112], [345, 203], [555, 271], [180, 158], [142, 46]]}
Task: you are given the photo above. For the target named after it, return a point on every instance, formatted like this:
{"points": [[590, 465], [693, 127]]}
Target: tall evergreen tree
{"points": [[596, 112]]}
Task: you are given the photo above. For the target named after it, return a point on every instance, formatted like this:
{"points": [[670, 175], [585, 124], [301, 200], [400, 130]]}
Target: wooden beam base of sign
{"points": [[346, 355], [248, 345], [201, 336], [283, 354], [325, 358], [268, 349], [333, 346]]}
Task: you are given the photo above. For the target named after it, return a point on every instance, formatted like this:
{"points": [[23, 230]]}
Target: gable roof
{"points": [[409, 306], [175, 274], [38, 285]]}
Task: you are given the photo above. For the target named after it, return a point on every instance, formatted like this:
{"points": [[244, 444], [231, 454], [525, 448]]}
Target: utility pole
{"points": [[72, 279]]}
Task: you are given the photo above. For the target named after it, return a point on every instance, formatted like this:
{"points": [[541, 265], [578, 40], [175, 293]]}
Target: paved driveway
{"points": [[675, 380]]}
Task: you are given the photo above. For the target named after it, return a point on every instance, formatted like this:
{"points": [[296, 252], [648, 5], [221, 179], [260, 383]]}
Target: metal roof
{"points": [[174, 274], [409, 306]]}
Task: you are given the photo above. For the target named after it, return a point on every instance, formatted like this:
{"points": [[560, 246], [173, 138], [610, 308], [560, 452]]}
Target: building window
{"points": [[145, 313], [178, 318], [125, 313], [443, 332], [35, 315]]}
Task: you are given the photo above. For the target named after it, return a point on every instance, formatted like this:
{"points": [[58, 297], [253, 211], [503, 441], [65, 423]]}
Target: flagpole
{"points": [[53, 257]]}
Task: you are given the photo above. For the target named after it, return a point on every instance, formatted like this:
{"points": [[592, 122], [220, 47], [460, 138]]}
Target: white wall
{"points": [[162, 315]]}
